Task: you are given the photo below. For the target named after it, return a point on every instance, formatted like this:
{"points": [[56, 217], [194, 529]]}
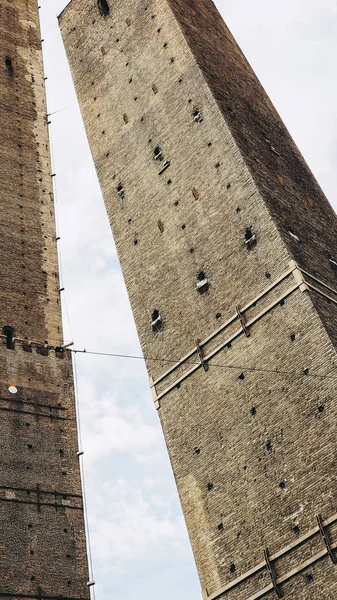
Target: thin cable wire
{"points": [[78, 418], [56, 111], [59, 249], [59, 256], [85, 506], [210, 364]]}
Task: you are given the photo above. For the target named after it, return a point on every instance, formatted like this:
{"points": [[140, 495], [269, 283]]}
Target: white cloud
{"points": [[109, 426], [126, 525]]}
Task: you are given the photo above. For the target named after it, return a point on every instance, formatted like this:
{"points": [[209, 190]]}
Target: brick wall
{"points": [[42, 540], [252, 451], [29, 296], [42, 545]]}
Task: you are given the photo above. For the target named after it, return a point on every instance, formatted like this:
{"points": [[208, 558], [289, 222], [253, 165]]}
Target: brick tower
{"points": [[227, 246], [42, 540]]}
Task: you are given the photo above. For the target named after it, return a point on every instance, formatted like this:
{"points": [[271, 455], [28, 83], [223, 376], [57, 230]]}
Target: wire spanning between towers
{"points": [[210, 364]]}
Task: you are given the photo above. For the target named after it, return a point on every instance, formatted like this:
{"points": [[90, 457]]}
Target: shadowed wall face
{"points": [[210, 202], [42, 540]]}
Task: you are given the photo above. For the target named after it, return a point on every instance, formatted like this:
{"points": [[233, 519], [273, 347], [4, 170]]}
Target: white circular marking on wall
{"points": [[13, 389]]}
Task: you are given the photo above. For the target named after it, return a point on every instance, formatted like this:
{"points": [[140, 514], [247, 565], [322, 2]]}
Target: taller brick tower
{"points": [[42, 540], [228, 249]]}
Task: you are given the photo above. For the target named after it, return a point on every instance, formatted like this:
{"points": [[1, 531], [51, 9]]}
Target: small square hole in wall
{"points": [[9, 333], [120, 192], [157, 153], [202, 283], [250, 238], [156, 321], [197, 118], [104, 7], [9, 63]]}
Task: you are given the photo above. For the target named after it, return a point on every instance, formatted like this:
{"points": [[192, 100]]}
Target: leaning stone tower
{"points": [[42, 540], [228, 249]]}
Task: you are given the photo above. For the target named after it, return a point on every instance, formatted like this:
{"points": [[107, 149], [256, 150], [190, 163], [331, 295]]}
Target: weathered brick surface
{"points": [[42, 529], [42, 540], [168, 73]]}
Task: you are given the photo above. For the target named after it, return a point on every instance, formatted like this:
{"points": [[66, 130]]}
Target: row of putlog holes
{"points": [[249, 236], [250, 239]]}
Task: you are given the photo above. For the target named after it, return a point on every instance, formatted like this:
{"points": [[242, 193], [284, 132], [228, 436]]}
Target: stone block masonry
{"points": [[227, 246], [42, 538]]}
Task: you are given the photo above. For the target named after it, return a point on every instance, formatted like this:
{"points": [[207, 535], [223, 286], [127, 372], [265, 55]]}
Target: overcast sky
{"points": [[139, 542]]}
